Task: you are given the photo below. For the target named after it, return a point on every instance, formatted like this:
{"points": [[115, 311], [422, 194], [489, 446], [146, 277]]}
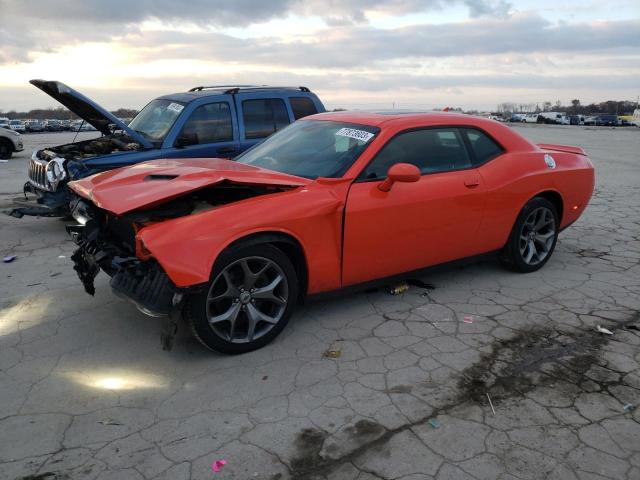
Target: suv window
{"points": [[431, 150], [263, 116], [209, 123], [484, 148], [302, 107]]}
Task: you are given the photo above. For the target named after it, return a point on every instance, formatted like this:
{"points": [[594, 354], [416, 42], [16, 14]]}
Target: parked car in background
{"points": [[53, 126], [517, 117], [17, 126], [332, 201], [557, 118], [34, 126], [4, 122], [531, 118], [576, 119], [66, 124], [217, 121], [635, 118], [607, 120], [602, 120], [10, 141]]}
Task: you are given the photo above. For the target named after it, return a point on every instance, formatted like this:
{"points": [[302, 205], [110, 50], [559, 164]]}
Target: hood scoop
{"points": [[159, 176]]}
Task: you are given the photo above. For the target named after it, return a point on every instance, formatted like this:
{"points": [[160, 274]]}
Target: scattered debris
{"points": [[399, 288], [332, 353], [434, 423], [467, 319], [629, 407], [217, 465], [9, 258], [34, 284], [419, 283], [55, 274], [633, 327], [491, 404], [4, 161], [109, 422], [62, 256], [265, 377], [600, 329]]}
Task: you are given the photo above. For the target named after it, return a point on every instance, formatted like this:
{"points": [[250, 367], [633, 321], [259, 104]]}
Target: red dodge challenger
{"points": [[334, 200]]}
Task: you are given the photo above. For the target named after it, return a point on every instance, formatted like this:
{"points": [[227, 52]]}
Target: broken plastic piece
{"points": [[9, 258], [603, 330], [217, 465], [332, 353], [399, 289], [628, 407], [467, 319], [109, 422], [434, 423]]}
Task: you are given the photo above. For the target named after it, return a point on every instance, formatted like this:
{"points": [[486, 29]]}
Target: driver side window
{"points": [[432, 150]]}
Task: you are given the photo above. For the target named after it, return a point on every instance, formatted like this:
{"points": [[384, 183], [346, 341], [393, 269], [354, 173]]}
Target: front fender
{"points": [[187, 247]]}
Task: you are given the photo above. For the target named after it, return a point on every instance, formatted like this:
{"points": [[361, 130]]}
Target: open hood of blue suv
{"points": [[86, 109]]}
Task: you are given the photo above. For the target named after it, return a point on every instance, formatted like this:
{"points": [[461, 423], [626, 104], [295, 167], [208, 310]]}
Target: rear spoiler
{"points": [[561, 148]]}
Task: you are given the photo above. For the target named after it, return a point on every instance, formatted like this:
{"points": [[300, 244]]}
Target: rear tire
{"points": [[6, 149], [249, 299], [533, 237]]}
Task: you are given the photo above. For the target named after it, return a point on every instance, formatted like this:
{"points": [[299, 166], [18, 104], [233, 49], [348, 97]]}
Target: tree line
{"points": [[610, 107], [60, 113]]}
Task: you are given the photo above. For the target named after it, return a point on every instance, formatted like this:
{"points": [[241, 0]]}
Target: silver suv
{"points": [[10, 142]]}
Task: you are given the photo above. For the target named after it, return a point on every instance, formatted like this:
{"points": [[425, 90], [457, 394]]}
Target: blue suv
{"points": [[209, 121]]}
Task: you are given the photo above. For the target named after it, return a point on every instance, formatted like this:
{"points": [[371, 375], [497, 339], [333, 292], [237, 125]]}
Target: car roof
{"points": [[204, 91], [407, 119]]}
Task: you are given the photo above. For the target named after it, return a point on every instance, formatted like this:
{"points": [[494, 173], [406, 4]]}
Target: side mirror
{"points": [[186, 139], [400, 172]]}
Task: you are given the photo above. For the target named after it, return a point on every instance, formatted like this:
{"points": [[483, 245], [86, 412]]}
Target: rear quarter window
{"points": [[483, 147]]}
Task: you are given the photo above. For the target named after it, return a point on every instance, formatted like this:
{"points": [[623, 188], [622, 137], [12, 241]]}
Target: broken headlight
{"points": [[55, 172]]}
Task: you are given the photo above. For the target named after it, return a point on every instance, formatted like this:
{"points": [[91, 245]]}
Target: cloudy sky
{"points": [[353, 53]]}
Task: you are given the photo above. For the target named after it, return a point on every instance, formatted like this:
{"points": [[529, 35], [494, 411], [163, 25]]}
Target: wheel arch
{"points": [[555, 198], [287, 243]]}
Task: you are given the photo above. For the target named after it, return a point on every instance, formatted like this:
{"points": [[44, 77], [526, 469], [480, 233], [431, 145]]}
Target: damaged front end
{"points": [[106, 242]]}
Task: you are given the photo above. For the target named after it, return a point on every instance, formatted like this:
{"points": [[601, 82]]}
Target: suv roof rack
{"points": [[230, 89]]}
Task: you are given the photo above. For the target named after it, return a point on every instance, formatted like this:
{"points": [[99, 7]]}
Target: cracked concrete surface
{"points": [[87, 393]]}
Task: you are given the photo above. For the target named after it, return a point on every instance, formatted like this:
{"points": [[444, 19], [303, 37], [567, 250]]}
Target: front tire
{"points": [[534, 236], [6, 149], [248, 302]]}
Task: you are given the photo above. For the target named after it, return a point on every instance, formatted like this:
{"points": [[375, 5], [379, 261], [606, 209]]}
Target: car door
{"points": [[210, 131], [414, 225], [260, 116]]}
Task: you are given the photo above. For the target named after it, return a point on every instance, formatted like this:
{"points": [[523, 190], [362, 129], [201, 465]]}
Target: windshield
{"points": [[311, 148], [156, 119], [15, 122]]}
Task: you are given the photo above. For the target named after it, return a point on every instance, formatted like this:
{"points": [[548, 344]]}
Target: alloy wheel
{"points": [[537, 236], [247, 299]]}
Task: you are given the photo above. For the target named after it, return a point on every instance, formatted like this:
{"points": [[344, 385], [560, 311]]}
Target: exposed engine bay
{"points": [[200, 201], [90, 148]]}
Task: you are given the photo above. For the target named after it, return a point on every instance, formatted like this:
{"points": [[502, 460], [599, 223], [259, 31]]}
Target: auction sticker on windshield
{"points": [[175, 107], [354, 133]]}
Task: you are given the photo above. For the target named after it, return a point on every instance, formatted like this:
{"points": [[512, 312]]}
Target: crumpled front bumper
{"points": [[142, 282]]}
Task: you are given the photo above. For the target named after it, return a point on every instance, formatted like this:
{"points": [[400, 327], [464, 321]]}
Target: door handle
{"points": [[226, 150], [472, 182]]}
